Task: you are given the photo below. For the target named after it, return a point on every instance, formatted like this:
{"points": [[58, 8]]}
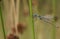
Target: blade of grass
{"points": [[54, 26], [2, 22], [31, 18]]}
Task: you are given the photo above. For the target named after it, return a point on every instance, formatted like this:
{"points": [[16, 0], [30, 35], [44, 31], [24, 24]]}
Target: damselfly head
{"points": [[35, 15]]}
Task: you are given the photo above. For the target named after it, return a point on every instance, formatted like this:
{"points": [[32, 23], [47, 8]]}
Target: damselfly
{"points": [[47, 18]]}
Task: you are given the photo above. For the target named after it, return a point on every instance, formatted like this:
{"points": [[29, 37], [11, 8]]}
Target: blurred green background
{"points": [[42, 7]]}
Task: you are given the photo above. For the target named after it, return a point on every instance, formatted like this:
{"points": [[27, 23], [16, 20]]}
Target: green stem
{"points": [[31, 18], [54, 26], [2, 23]]}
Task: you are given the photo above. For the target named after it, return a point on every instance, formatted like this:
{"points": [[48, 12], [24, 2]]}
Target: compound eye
{"points": [[35, 15]]}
